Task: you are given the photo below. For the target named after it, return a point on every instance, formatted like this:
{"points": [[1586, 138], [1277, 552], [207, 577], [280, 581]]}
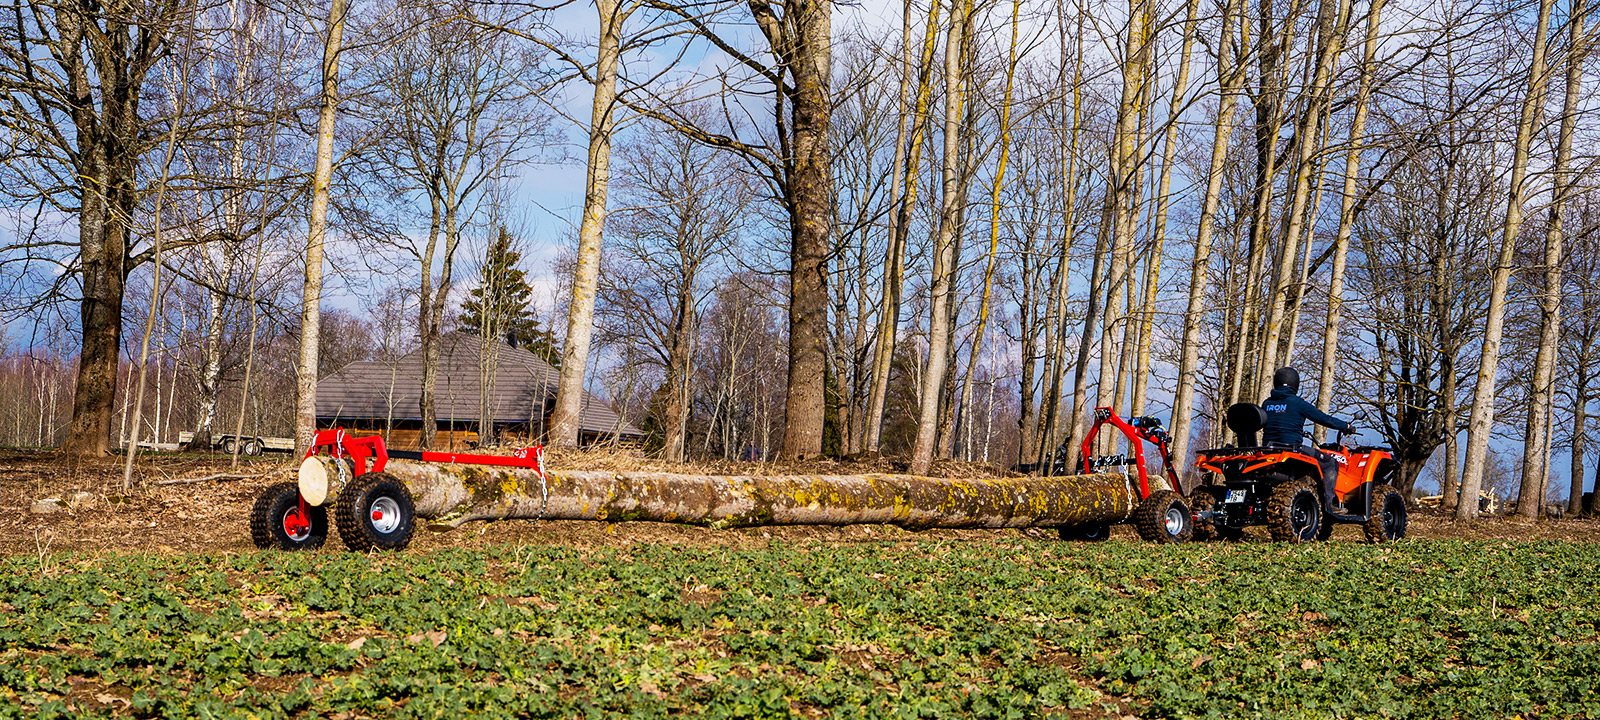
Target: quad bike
{"points": [[1282, 488], [1161, 516], [372, 510]]}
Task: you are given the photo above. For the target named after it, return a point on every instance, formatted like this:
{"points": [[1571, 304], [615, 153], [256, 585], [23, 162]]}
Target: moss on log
{"points": [[455, 494]]}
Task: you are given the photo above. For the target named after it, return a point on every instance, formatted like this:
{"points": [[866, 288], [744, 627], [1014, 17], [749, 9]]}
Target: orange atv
{"points": [[1282, 487]]}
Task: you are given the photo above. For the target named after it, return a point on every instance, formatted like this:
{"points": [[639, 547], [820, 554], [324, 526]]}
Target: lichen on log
{"points": [[454, 494]]}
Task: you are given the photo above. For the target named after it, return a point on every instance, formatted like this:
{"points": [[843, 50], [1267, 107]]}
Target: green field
{"points": [[921, 628]]}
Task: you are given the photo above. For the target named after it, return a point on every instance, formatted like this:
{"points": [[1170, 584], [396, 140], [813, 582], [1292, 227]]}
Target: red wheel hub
{"points": [[295, 522]]}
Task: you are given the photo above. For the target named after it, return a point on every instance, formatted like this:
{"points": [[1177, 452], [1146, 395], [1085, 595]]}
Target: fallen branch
{"points": [[219, 476]]}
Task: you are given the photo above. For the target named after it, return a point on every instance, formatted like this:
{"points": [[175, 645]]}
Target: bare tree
{"points": [[74, 75], [1481, 421]]}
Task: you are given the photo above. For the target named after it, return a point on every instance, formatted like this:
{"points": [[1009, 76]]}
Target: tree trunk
{"points": [[676, 384], [906, 172], [1124, 190], [455, 494], [305, 420], [1169, 146], [1057, 354], [1481, 422], [810, 190], [1450, 487], [1199, 271], [933, 379], [565, 419], [1333, 21], [1580, 421], [1080, 420], [1535, 457], [103, 61], [979, 333], [1341, 242]]}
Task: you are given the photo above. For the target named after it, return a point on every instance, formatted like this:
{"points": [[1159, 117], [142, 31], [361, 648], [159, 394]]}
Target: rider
{"points": [[1287, 414]]}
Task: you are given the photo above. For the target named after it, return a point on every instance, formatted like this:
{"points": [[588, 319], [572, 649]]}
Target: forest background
{"points": [[815, 228]]}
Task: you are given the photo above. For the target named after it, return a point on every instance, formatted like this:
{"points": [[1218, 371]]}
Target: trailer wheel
{"points": [[1294, 512], [374, 512], [1201, 501], [1164, 517], [1388, 519], [276, 522], [251, 448], [228, 445], [1093, 532]]}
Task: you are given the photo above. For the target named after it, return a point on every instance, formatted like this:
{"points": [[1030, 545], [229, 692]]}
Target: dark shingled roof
{"points": [[523, 385]]}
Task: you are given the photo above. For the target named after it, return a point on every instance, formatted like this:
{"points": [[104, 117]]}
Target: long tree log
{"points": [[451, 495]]}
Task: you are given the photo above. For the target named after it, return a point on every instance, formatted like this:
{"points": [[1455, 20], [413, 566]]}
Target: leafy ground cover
{"points": [[921, 628]]}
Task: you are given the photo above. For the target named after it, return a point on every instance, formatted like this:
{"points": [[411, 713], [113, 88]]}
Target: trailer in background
{"points": [[252, 445]]}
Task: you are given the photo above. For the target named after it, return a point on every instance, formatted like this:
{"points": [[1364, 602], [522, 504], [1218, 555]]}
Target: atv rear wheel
{"points": [[1093, 532], [1164, 517], [1201, 501], [1388, 519], [374, 512], [276, 520], [1294, 513]]}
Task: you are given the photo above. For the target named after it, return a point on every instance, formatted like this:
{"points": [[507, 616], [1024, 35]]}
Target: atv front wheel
{"points": [[1093, 532], [1388, 519], [276, 520], [374, 512], [1164, 517], [1294, 513]]}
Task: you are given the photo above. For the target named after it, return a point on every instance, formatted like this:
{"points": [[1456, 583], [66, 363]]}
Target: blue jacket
{"points": [[1287, 414]]}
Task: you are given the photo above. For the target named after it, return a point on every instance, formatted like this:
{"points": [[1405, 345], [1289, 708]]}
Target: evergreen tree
{"points": [[501, 304]]}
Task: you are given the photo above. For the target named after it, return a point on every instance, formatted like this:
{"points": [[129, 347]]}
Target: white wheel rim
{"points": [[1174, 521], [385, 515]]}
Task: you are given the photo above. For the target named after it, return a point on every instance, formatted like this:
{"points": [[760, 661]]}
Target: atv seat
{"points": [[1245, 420]]}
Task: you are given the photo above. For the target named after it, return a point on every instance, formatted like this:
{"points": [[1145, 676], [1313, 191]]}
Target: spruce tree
{"points": [[501, 304]]}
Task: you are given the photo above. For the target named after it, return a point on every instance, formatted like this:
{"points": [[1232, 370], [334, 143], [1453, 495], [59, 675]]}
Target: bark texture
{"points": [[1481, 422], [564, 421], [810, 191], [456, 494], [305, 420]]}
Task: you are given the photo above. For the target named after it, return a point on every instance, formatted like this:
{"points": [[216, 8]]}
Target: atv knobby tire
{"points": [[1164, 517], [374, 512], [273, 507], [1093, 532], [1388, 519], [1201, 501], [1294, 512]]}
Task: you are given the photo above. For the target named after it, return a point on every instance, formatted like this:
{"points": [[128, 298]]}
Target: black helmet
{"points": [[1287, 377]]}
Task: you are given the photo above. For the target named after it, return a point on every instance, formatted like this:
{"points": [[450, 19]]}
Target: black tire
{"points": [[251, 448], [1093, 532], [272, 509], [1164, 517], [374, 512], [1201, 501], [1388, 520], [227, 446], [1294, 513]]}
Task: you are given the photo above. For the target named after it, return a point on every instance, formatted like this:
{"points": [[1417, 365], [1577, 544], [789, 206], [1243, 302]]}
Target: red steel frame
{"points": [[361, 449], [1137, 437]]}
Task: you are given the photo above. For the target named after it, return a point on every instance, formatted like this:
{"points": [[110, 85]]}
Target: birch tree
{"points": [[1481, 421], [305, 425]]}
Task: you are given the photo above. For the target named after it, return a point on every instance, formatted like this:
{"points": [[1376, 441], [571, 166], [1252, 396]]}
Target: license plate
{"points": [[1235, 496]]}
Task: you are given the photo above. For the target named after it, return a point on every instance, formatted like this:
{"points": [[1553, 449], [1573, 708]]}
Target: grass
{"points": [[908, 629]]}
